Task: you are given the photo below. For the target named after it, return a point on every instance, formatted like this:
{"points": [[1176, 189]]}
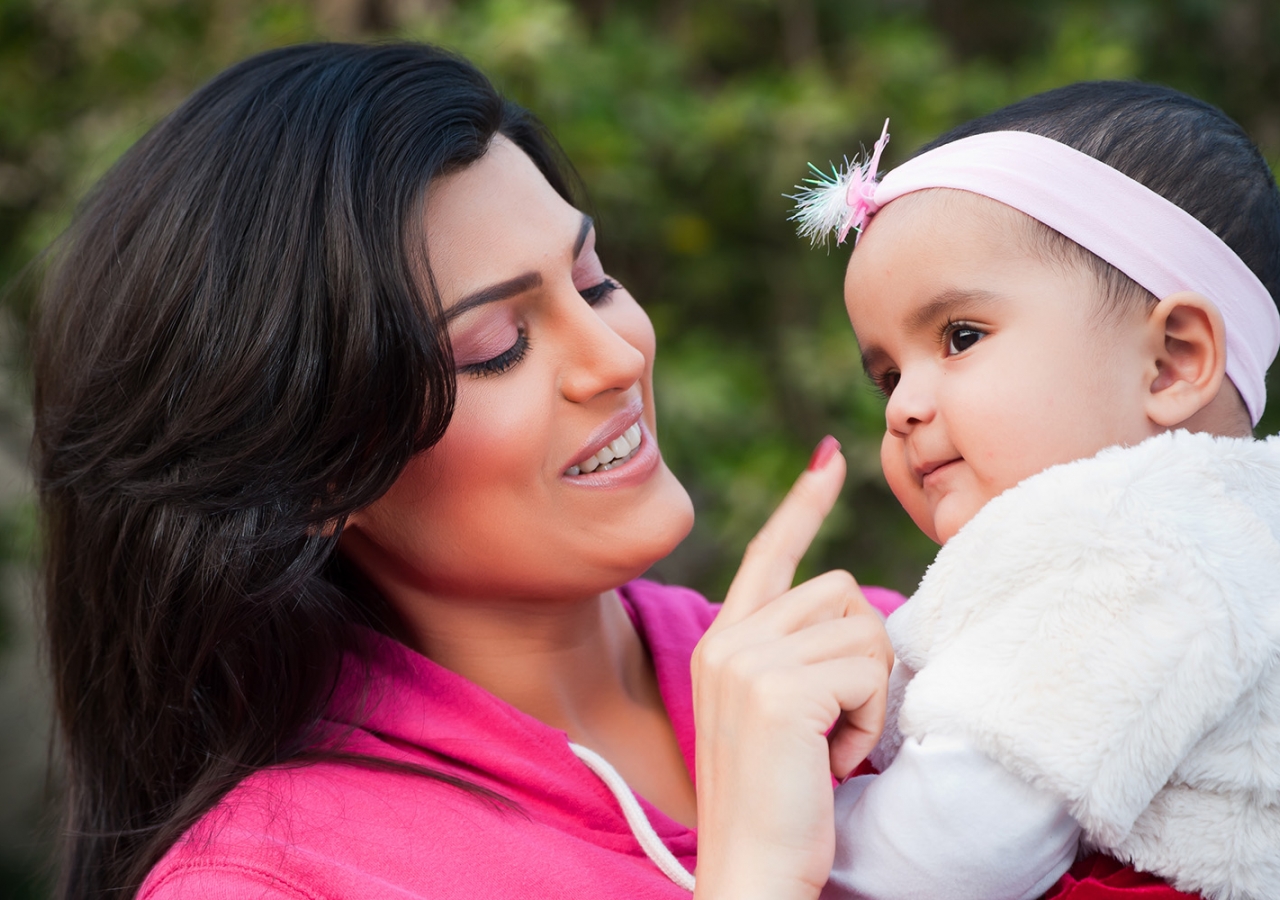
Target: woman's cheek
{"points": [[493, 424], [626, 317]]}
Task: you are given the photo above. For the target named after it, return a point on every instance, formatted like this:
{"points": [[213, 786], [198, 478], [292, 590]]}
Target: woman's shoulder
{"points": [[304, 831], [222, 880], [329, 830]]}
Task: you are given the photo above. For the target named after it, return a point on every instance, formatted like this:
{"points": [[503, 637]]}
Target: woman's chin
{"points": [[654, 533]]}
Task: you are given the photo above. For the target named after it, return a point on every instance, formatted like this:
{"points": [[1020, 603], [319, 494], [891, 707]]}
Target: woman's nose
{"points": [[912, 403], [598, 357]]}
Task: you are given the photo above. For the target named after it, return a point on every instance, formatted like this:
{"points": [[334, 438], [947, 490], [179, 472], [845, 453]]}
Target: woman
{"points": [[346, 460]]}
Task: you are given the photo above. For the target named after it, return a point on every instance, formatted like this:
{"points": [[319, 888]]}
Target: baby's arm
{"points": [[945, 821]]}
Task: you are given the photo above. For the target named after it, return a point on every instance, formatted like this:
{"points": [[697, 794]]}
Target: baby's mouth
{"points": [[611, 455], [931, 468]]}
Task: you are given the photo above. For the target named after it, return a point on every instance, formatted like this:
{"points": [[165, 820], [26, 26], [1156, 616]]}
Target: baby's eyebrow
{"points": [[945, 304], [870, 357]]}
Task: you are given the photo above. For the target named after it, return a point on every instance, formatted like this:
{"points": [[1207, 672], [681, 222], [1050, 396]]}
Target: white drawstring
{"points": [[649, 841]]}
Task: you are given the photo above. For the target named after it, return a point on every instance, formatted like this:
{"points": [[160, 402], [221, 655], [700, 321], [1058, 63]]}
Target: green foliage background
{"points": [[688, 121]]}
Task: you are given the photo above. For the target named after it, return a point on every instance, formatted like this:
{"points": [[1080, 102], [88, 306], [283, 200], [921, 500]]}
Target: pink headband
{"points": [[1155, 242]]}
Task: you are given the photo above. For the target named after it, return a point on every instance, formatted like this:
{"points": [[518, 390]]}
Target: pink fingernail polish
{"points": [[827, 448]]}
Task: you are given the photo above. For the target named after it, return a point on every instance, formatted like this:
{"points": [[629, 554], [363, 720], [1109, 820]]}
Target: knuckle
{"points": [[771, 695], [844, 582], [740, 667], [709, 654], [868, 635], [760, 544], [805, 492]]}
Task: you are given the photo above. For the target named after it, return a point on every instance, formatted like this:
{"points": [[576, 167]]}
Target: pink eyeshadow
{"points": [[488, 337]]}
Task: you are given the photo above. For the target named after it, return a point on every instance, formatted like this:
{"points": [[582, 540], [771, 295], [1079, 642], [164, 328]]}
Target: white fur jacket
{"points": [[1109, 631]]}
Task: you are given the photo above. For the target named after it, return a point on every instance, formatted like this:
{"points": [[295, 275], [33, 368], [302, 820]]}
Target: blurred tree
{"points": [[688, 121]]}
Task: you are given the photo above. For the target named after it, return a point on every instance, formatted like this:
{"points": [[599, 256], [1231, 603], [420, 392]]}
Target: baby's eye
{"points": [[885, 382], [961, 337]]}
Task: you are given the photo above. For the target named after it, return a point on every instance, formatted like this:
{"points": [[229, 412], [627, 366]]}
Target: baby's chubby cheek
{"points": [[902, 481]]}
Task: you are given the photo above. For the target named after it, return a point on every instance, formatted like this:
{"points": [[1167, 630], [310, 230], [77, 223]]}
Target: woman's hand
{"points": [[776, 671]]}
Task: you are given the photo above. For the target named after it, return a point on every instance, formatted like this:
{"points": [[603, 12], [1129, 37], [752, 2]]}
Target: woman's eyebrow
{"points": [[513, 286], [583, 230], [495, 292]]}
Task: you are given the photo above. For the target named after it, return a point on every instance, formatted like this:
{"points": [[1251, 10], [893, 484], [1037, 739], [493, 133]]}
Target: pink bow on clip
{"points": [[839, 201], [862, 188]]}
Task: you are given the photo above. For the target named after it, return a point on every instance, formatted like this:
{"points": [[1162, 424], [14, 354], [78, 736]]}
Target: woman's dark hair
{"points": [[1189, 152], [238, 345]]}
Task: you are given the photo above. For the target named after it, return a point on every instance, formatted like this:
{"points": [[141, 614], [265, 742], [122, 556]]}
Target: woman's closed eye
{"points": [[599, 292], [496, 365], [503, 361]]}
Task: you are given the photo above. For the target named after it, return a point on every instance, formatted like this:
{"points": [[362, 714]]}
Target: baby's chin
{"points": [[942, 520], [951, 515]]}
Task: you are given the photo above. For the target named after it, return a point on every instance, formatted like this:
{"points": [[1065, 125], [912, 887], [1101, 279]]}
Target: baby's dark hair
{"points": [[1187, 151]]}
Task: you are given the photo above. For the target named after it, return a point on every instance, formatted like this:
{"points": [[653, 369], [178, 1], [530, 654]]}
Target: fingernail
{"points": [[827, 448]]}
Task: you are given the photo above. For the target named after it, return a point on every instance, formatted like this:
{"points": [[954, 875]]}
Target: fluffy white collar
{"points": [[1109, 630]]}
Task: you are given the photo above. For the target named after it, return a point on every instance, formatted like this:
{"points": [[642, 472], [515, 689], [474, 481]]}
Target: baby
{"points": [[1069, 307]]}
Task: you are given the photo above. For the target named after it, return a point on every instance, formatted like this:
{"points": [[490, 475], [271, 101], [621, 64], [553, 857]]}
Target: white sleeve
{"points": [[946, 822]]}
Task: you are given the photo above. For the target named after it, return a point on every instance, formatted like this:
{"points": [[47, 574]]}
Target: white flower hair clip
{"points": [[840, 201]]}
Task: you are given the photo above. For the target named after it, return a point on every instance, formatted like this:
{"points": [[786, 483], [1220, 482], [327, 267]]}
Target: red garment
{"points": [[1102, 878]]}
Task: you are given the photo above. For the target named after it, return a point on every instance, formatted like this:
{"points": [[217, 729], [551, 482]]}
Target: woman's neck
{"points": [[567, 664], [577, 666]]}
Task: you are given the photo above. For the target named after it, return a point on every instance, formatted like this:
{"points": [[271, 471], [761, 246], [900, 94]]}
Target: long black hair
{"points": [[1187, 151], [237, 346]]}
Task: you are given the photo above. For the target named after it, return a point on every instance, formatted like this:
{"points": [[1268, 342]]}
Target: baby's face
{"points": [[996, 363]]}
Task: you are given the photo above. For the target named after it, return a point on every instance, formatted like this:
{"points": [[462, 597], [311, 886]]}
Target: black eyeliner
{"points": [[503, 361], [598, 293]]}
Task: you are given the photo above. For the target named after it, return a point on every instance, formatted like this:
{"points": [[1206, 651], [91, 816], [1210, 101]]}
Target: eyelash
{"points": [[504, 360], [952, 327], [598, 293], [594, 295], [886, 381]]}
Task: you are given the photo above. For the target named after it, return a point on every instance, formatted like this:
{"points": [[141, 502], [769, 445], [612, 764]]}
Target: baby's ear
{"points": [[1189, 342]]}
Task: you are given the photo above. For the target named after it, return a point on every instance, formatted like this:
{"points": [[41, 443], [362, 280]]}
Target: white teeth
{"points": [[613, 454]]}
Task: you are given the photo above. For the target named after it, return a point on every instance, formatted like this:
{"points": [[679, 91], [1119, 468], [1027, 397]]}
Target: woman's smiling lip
{"points": [[608, 432], [637, 465]]}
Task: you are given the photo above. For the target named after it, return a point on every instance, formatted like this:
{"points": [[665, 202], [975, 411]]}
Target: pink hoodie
{"points": [[330, 830]]}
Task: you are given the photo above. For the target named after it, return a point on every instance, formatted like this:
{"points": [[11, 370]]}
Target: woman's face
{"points": [[554, 364]]}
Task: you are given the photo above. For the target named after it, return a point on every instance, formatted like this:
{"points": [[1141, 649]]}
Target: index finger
{"points": [[769, 564]]}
